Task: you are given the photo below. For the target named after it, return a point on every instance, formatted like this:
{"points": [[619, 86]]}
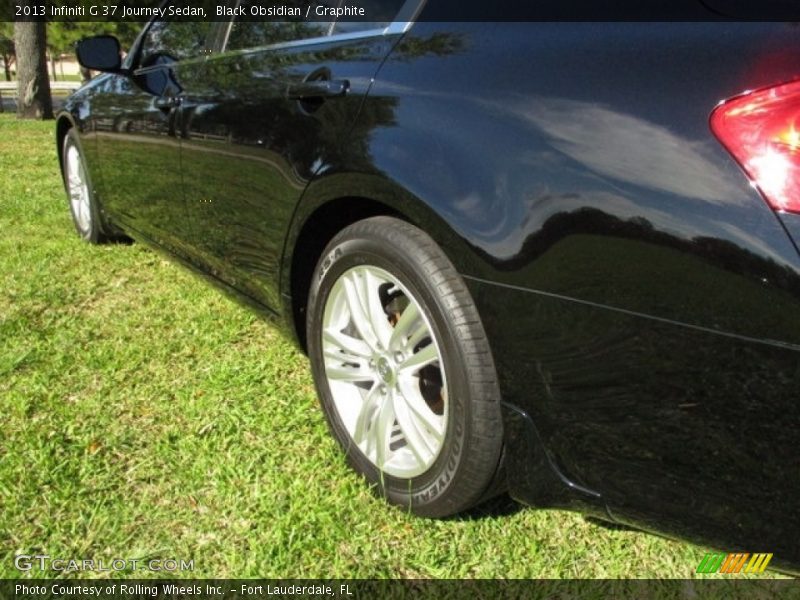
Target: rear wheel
{"points": [[403, 368]]}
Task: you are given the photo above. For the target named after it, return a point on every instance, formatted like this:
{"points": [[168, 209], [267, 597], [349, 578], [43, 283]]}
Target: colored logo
{"points": [[736, 562]]}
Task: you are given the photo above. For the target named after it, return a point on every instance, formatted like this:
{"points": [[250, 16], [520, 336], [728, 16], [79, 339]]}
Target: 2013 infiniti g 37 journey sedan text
{"points": [[553, 258]]}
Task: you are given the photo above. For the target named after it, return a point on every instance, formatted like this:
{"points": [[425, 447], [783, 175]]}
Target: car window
{"points": [[167, 41], [250, 33], [379, 12]]}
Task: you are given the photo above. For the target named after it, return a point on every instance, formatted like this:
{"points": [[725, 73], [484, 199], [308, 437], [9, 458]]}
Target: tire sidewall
{"points": [[433, 484]]}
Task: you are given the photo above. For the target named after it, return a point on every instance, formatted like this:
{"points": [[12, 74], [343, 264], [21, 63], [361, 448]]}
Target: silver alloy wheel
{"points": [[78, 189], [385, 371]]}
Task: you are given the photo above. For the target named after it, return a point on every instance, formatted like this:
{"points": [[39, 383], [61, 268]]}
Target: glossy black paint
{"points": [[642, 301], [278, 143], [101, 52], [659, 357]]}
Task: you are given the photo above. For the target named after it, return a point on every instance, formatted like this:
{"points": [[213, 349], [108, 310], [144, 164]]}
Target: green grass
{"points": [[146, 415]]}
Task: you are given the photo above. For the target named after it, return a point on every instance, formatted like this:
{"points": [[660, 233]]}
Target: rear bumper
{"points": [[665, 426]]}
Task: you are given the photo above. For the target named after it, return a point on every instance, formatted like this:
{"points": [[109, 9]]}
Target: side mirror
{"points": [[99, 53]]}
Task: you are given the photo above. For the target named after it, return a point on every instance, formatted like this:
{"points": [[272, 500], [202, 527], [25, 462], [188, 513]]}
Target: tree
{"points": [[7, 47], [33, 85], [61, 39]]}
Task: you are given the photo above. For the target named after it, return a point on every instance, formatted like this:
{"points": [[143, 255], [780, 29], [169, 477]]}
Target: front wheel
{"points": [[403, 368], [80, 192]]}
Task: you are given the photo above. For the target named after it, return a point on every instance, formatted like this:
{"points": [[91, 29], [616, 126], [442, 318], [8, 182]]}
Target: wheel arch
{"points": [[325, 210], [63, 124]]}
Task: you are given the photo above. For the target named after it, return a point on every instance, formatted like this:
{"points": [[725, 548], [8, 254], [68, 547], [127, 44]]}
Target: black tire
{"points": [[92, 231], [465, 470]]}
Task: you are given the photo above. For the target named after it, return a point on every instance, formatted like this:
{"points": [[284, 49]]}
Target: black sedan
{"points": [[558, 259]]}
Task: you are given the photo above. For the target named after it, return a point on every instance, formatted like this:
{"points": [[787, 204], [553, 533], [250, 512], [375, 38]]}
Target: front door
{"points": [[137, 128]]}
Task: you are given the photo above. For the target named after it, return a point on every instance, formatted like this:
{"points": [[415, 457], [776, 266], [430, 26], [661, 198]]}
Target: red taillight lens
{"points": [[762, 131]]}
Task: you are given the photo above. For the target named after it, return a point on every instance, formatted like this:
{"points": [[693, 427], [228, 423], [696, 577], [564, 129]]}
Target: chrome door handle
{"points": [[167, 102], [318, 88]]}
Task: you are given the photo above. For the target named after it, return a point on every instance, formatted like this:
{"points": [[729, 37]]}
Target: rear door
{"points": [[262, 117]]}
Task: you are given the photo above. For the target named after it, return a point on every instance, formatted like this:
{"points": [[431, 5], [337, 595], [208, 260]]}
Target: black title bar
{"points": [[430, 10], [338, 589]]}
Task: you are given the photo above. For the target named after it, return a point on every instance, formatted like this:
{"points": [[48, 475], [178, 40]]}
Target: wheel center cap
{"points": [[385, 370]]}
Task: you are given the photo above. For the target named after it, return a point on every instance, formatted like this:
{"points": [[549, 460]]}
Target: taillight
{"points": [[761, 129]]}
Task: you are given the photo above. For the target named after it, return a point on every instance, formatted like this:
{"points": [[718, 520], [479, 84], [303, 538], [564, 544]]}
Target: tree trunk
{"points": [[53, 65], [33, 85], [7, 67]]}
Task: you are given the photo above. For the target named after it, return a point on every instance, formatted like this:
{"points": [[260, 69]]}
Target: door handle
{"points": [[318, 88], [167, 102]]}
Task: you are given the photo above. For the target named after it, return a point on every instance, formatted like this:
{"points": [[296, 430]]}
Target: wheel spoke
{"points": [[80, 215], [372, 302], [74, 163], [357, 313], [423, 358], [419, 333], [81, 176], [85, 215], [380, 432], [336, 356], [414, 435], [404, 326], [348, 345], [341, 372], [78, 208], [366, 414], [409, 388]]}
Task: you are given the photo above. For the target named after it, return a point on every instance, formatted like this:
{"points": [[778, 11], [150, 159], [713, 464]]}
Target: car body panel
{"points": [[681, 430], [792, 224], [141, 172]]}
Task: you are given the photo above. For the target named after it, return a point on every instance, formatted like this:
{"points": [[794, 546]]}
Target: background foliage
{"points": [[62, 35]]}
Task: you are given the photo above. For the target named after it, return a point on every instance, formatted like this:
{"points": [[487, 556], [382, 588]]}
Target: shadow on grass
{"points": [[499, 506], [609, 525]]}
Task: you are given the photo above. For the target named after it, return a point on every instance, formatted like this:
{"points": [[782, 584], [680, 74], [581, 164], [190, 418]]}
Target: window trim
{"points": [[404, 20], [217, 38]]}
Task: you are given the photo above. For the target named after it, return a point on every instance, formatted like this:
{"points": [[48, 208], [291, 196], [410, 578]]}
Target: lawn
{"points": [[146, 415]]}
